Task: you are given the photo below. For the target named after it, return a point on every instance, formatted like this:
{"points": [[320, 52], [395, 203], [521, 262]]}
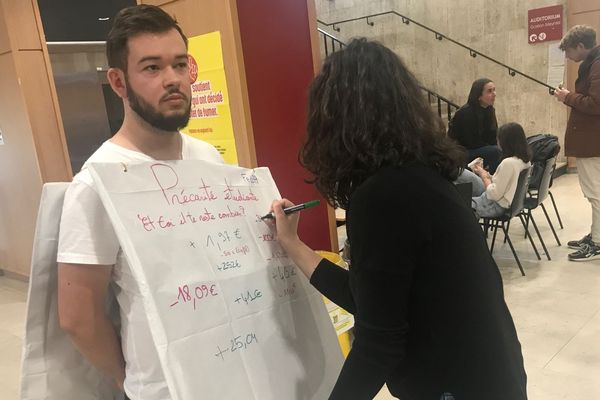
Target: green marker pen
{"points": [[294, 209]]}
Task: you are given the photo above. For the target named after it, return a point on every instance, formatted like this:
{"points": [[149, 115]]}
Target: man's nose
{"points": [[171, 77]]}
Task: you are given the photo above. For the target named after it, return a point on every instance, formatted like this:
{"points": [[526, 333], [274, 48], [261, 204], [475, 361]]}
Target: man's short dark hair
{"points": [[583, 34], [133, 21]]}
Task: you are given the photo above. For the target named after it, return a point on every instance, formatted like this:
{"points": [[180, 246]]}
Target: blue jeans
{"points": [[467, 176], [483, 206]]}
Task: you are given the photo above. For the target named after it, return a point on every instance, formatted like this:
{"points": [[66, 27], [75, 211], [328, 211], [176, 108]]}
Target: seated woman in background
{"points": [[492, 195], [474, 125], [430, 315]]}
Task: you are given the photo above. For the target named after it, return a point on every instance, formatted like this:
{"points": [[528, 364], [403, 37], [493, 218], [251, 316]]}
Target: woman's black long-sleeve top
{"points": [[426, 294], [474, 127]]}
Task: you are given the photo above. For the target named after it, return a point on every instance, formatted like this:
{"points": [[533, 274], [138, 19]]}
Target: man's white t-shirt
{"points": [[87, 237]]}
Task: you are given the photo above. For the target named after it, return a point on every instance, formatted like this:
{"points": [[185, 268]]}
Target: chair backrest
{"points": [[51, 367], [546, 179], [518, 201], [543, 147]]}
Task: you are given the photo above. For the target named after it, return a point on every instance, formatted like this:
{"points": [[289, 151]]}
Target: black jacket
{"points": [[426, 294], [474, 126]]}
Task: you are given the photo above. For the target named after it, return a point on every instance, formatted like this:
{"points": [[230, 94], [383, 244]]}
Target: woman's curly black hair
{"points": [[367, 111]]}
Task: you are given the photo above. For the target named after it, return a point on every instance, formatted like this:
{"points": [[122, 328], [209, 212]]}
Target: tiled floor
{"points": [[13, 296], [555, 307]]}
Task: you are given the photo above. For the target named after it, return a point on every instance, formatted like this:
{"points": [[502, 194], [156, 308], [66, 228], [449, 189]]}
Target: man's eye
{"points": [[182, 65], [151, 68]]}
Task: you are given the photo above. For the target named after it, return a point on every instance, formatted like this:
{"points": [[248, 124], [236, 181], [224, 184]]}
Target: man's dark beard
{"points": [[154, 118]]}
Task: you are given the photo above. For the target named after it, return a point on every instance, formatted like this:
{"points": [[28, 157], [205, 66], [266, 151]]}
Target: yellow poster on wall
{"points": [[210, 115]]}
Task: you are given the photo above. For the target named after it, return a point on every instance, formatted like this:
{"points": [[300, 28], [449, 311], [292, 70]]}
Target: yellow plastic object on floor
{"points": [[342, 320], [345, 340]]}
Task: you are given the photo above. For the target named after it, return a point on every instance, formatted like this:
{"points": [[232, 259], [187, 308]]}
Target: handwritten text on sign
{"points": [[221, 295]]}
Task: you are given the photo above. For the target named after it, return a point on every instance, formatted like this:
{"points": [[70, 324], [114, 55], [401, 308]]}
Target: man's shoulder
{"points": [[106, 153], [197, 149]]}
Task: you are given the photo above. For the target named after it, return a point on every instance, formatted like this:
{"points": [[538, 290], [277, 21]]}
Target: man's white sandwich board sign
{"points": [[230, 315]]}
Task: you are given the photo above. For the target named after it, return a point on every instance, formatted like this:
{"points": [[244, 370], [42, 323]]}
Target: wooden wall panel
{"points": [[20, 180], [4, 38], [587, 18], [156, 2], [34, 151], [53, 158], [21, 21]]}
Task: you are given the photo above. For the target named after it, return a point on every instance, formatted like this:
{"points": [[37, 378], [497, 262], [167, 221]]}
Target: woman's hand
{"points": [[485, 176], [286, 226], [286, 233], [479, 170]]}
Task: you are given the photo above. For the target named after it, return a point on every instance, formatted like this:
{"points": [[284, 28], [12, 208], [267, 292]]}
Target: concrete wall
{"points": [[495, 28]]}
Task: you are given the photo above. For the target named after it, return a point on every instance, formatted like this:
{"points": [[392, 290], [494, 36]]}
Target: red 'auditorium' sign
{"points": [[545, 24]]}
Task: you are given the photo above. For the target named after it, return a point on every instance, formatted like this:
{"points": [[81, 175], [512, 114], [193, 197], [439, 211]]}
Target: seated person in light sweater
{"points": [[493, 194]]}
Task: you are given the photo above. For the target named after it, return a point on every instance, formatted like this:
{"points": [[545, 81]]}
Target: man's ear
{"points": [[116, 78]]}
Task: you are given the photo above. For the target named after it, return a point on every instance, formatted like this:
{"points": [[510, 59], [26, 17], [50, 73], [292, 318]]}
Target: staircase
{"points": [[444, 108]]}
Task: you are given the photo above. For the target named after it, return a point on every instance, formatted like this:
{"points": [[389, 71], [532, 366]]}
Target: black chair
{"points": [[515, 210], [543, 147], [536, 198], [553, 202]]}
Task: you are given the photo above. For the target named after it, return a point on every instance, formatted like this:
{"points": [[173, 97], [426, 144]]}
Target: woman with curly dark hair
{"points": [[424, 290]]}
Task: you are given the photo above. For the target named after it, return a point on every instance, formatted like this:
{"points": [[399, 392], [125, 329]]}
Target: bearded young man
{"points": [[147, 55]]}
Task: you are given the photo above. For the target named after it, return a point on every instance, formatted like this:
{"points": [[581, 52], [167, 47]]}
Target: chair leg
{"points": [[526, 216], [486, 226], [550, 223], [528, 235], [539, 236], [505, 229], [495, 226], [556, 210]]}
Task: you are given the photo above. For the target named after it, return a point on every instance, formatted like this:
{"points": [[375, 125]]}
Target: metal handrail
{"points": [[450, 106], [439, 36], [431, 95], [333, 41]]}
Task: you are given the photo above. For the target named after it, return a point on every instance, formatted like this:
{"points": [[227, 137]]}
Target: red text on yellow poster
{"points": [[210, 115]]}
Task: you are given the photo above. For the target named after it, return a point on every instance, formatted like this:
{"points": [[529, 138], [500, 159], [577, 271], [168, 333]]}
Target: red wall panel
{"points": [[279, 68]]}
